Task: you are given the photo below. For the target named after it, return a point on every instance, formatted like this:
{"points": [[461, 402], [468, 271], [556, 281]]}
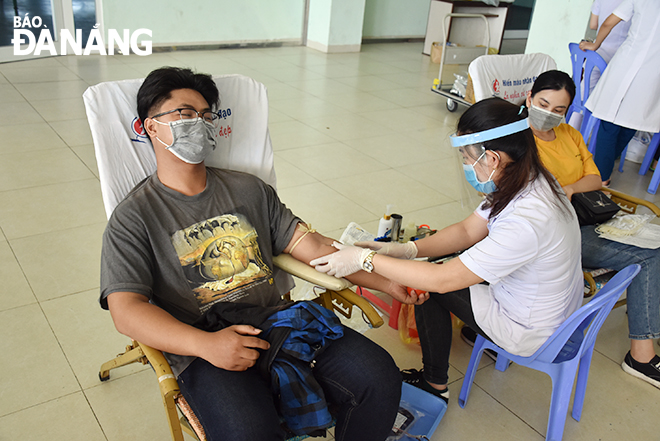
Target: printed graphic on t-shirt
{"points": [[221, 259]]}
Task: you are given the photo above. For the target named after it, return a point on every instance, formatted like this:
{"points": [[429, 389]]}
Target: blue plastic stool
{"points": [[561, 354]]}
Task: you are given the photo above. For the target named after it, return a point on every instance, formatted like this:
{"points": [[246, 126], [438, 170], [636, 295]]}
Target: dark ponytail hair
{"points": [[554, 80], [525, 165]]}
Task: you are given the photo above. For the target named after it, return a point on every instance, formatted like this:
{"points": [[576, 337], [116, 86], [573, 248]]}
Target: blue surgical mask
{"points": [[471, 176]]}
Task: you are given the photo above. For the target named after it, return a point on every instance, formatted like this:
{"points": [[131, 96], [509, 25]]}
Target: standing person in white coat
{"points": [[600, 10], [626, 97]]}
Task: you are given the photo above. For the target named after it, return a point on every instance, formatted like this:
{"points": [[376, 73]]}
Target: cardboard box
{"points": [[436, 52]]}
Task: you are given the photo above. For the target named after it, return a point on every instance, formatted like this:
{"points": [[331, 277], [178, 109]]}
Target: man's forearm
{"points": [[151, 325], [316, 245], [232, 348], [372, 281]]}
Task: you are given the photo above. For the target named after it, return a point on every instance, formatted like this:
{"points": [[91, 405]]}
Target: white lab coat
{"points": [[628, 94]]}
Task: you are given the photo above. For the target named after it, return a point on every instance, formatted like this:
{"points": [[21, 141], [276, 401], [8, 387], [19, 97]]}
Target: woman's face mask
{"points": [[471, 176], [544, 120], [192, 139]]}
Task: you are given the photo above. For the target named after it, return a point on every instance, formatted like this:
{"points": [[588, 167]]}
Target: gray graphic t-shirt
{"points": [[185, 253]]}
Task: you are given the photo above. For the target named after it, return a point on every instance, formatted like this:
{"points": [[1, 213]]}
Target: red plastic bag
{"points": [[407, 324]]}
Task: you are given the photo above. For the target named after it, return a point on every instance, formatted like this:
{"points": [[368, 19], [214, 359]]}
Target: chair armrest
{"points": [[628, 200], [169, 388], [592, 283], [299, 269], [166, 379], [346, 297]]}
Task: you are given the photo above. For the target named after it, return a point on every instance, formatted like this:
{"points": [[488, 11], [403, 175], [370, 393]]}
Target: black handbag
{"points": [[593, 207]]}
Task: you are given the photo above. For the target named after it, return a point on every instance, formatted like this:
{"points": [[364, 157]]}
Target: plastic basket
{"points": [[428, 410]]}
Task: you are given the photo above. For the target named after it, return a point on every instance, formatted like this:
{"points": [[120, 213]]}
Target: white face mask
{"points": [[543, 120], [192, 139]]}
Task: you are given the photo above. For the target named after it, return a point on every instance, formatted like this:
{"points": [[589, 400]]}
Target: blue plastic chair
{"points": [[577, 62], [646, 163], [589, 131], [572, 344], [583, 63], [648, 158]]}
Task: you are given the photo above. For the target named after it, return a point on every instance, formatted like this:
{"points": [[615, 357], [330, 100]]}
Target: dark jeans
{"points": [[643, 294], [611, 141], [355, 373], [435, 330]]}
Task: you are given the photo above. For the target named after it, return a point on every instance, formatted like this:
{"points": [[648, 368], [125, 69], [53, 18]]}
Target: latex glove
{"points": [[348, 260], [406, 250]]}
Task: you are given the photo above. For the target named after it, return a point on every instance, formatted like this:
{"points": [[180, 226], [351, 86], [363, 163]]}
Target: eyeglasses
{"points": [[189, 116]]}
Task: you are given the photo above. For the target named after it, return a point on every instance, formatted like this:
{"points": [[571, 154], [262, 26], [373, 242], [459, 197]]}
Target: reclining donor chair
{"points": [[125, 157]]}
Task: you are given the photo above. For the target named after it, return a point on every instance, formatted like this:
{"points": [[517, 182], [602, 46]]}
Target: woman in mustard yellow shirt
{"points": [[564, 153]]}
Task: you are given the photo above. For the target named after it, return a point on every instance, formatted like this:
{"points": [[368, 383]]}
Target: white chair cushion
{"points": [[125, 155], [507, 76]]}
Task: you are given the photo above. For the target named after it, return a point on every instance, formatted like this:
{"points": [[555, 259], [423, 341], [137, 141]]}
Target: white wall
{"points": [[347, 21], [335, 25], [555, 23], [395, 18], [318, 26], [176, 22]]}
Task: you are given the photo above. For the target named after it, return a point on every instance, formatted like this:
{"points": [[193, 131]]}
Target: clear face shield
{"points": [[473, 164]]}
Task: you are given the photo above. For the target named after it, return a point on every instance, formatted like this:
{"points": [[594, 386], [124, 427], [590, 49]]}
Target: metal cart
{"points": [[458, 55]]}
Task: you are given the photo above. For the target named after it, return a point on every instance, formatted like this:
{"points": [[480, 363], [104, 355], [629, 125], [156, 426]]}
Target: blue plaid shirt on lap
{"points": [[302, 401]]}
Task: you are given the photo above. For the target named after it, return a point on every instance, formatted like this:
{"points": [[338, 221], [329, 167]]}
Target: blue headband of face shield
{"points": [[487, 135]]}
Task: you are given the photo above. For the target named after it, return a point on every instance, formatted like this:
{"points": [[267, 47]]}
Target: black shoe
{"points": [[416, 378], [469, 336], [649, 372]]}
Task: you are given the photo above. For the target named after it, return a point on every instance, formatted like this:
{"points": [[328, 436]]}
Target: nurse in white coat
{"points": [[534, 272], [626, 97]]}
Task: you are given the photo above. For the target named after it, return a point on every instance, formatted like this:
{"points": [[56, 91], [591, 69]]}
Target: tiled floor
{"points": [[352, 133]]}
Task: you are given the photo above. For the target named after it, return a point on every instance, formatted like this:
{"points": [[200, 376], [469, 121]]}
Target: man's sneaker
{"points": [[469, 336], [416, 378], [649, 372]]}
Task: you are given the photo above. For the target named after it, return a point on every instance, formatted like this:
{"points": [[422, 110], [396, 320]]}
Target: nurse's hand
{"points": [[413, 297], [406, 250], [588, 46], [348, 260]]}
